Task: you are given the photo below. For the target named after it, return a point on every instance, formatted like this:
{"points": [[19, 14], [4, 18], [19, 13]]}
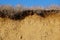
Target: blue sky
{"points": [[29, 3]]}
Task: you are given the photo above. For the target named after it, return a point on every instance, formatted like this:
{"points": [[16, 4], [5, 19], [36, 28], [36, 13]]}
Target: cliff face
{"points": [[31, 25]]}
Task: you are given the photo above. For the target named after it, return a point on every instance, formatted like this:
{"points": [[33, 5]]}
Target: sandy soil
{"points": [[31, 28]]}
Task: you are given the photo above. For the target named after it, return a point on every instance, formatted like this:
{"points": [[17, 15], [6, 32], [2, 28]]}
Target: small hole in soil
{"points": [[21, 37]]}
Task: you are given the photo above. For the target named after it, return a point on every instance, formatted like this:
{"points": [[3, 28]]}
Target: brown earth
{"points": [[31, 28]]}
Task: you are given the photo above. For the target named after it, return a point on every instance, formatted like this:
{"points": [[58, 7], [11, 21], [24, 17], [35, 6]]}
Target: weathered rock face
{"points": [[32, 27]]}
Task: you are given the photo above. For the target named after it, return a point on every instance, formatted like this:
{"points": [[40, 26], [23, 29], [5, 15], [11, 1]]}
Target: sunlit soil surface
{"points": [[31, 28]]}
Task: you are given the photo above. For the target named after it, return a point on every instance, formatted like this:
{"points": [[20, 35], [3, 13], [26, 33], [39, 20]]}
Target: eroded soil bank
{"points": [[32, 27]]}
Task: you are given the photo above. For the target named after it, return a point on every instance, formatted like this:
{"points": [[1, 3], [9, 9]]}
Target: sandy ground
{"points": [[31, 28]]}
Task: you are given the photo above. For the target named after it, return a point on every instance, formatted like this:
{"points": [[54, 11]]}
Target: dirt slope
{"points": [[29, 24], [31, 28]]}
